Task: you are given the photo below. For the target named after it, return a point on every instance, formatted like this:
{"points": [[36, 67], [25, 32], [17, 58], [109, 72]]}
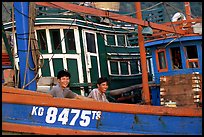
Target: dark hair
{"points": [[63, 73], [101, 80]]}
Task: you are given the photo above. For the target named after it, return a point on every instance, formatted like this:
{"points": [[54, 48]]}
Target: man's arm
{"points": [[84, 98]]}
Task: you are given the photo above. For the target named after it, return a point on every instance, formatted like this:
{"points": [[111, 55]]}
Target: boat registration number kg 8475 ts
{"points": [[67, 115]]}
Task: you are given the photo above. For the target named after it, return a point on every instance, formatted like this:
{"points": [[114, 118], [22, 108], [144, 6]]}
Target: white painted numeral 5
{"points": [[85, 119]]}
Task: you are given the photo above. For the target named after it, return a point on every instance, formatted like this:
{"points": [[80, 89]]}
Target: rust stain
{"points": [[17, 96], [161, 121], [136, 119], [53, 131]]}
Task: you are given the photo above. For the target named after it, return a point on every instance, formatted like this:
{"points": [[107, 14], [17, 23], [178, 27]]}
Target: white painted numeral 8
{"points": [[51, 115]]}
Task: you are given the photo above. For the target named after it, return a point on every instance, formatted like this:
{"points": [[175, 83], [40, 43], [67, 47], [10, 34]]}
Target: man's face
{"points": [[64, 81], [103, 87]]}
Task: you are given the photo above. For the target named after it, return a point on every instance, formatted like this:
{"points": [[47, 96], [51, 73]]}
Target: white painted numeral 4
{"points": [[63, 116]]}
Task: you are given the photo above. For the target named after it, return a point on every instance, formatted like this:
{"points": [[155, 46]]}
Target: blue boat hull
{"points": [[97, 117]]}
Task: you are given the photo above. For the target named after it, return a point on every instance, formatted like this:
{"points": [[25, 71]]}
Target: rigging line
{"points": [[23, 13], [101, 34], [16, 78], [31, 24], [84, 16], [97, 29], [172, 41], [138, 11], [144, 9], [170, 20], [179, 9], [6, 8], [112, 47], [185, 55], [27, 65], [36, 76], [173, 25], [47, 13], [111, 27], [32, 14], [60, 42]]}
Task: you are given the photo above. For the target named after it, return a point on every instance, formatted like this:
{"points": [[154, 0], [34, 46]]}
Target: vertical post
{"points": [[188, 10], [21, 11], [145, 85]]}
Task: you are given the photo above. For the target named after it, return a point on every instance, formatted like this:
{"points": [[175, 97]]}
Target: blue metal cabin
{"points": [[174, 57]]}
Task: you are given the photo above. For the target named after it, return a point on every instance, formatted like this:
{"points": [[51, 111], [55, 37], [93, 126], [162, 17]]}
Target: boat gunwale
{"points": [[26, 97]]}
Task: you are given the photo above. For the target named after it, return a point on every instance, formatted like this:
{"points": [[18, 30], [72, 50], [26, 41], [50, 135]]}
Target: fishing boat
{"points": [[147, 94]]}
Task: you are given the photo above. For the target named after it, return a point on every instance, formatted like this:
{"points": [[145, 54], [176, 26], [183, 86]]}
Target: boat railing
{"points": [[188, 25]]}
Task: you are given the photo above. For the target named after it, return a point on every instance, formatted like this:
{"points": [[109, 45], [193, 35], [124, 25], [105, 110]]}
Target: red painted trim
{"points": [[23, 92], [17, 97], [191, 60], [102, 13], [145, 86], [157, 60], [52, 131], [5, 59]]}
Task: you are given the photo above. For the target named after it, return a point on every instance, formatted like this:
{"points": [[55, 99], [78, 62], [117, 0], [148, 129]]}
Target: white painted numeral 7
{"points": [[75, 116], [85, 119]]}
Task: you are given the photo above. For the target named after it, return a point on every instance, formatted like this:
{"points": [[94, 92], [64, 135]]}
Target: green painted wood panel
{"points": [[73, 69], [42, 41], [94, 69], [46, 68], [69, 41], [57, 65], [114, 67], [124, 68], [55, 41]]}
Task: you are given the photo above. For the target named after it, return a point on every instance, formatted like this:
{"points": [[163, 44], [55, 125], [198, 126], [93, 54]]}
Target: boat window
{"points": [[114, 67], [134, 66], [69, 39], [121, 40], [46, 68], [55, 40], [42, 40], [176, 58], [111, 40], [91, 45], [192, 57], [124, 67], [161, 60]]}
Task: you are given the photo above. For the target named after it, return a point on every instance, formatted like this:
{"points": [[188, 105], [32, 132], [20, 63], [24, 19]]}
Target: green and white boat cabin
{"points": [[88, 47]]}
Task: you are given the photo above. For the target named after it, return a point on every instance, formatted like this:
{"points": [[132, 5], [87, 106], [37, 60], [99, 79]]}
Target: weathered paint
{"points": [[115, 117], [52, 131], [145, 86], [102, 13], [25, 56], [19, 96]]}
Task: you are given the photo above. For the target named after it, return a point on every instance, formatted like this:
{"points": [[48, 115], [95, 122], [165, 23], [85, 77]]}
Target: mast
{"points": [[145, 93], [22, 30], [188, 10]]}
